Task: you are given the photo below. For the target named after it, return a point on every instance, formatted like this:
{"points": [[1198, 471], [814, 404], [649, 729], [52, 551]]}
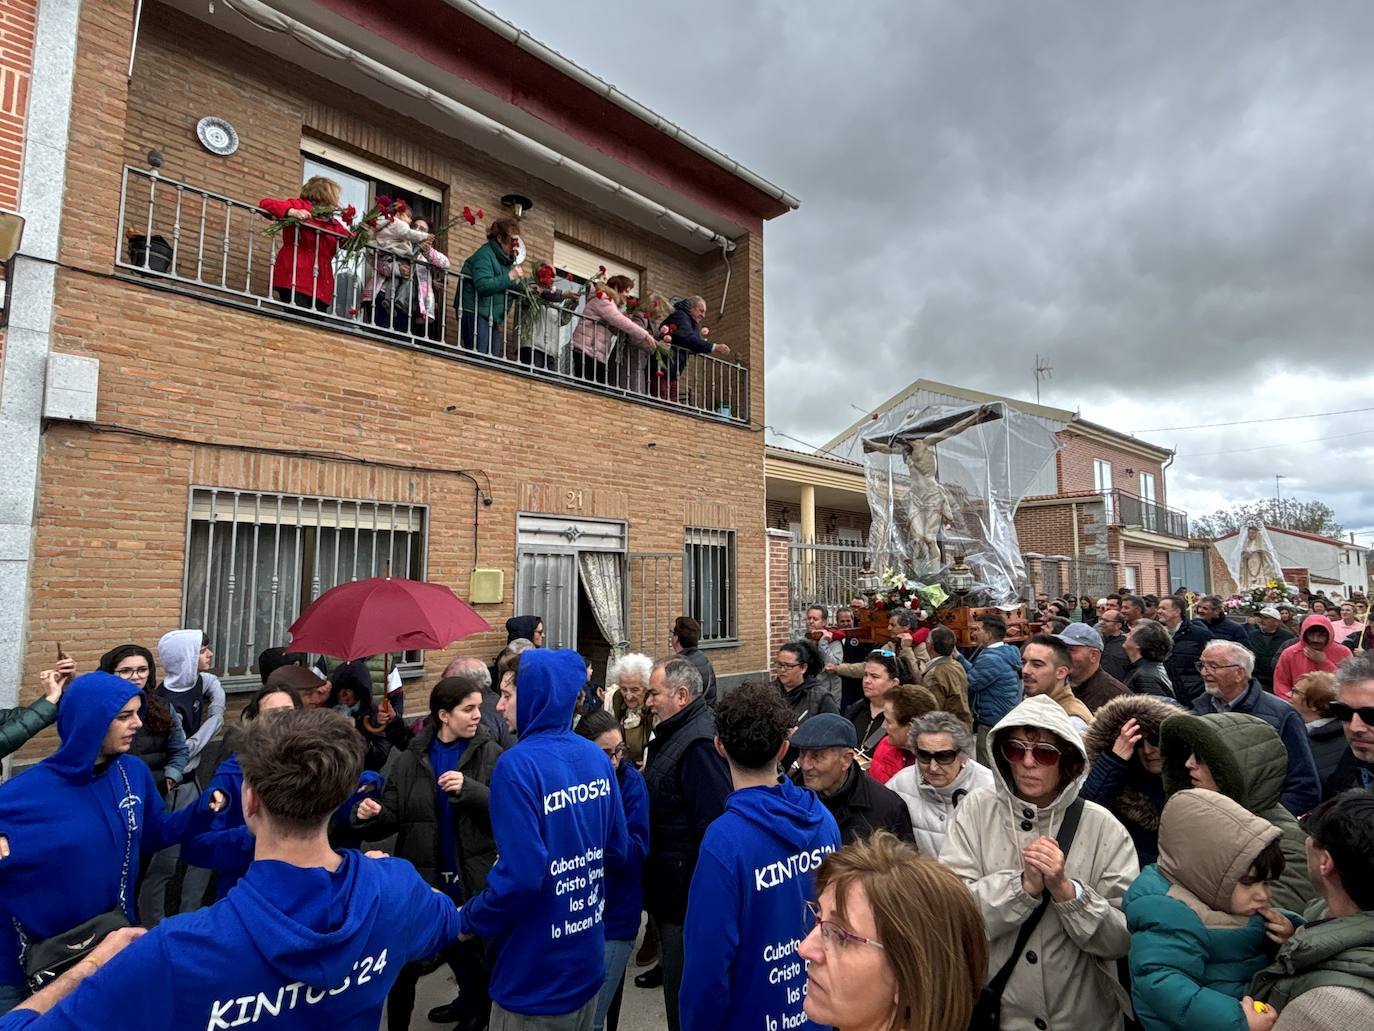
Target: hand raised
{"points": [[367, 809], [1126, 740]]}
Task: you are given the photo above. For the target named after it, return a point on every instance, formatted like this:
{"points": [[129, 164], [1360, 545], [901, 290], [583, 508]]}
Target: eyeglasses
{"points": [[788, 665], [130, 674], [615, 753], [1212, 667], [1345, 713], [832, 933], [941, 758], [1149, 739], [1014, 751]]}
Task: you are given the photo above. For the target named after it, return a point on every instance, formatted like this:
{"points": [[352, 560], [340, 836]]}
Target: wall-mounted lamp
{"points": [[517, 203], [11, 236]]}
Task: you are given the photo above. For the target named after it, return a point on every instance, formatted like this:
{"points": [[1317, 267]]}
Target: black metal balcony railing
{"points": [[1131, 511], [206, 243]]}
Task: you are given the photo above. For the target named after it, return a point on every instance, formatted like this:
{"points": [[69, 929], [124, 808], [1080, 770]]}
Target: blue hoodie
{"points": [[994, 684], [290, 947], [744, 910], [68, 825], [557, 816], [624, 890]]}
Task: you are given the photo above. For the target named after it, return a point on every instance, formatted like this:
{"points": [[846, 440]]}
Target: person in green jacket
{"points": [[487, 275], [17, 726], [1201, 921], [1242, 757], [1323, 977]]}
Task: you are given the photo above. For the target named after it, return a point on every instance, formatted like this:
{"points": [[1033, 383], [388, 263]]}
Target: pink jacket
{"points": [[1293, 661], [592, 335]]}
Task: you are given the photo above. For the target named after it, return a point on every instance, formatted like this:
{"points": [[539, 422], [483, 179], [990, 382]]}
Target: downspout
{"points": [[725, 291]]}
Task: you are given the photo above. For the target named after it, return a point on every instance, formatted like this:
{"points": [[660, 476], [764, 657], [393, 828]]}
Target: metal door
{"points": [[546, 586]]}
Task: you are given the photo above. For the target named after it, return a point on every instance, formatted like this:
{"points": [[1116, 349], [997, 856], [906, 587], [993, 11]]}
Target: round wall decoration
{"points": [[217, 136]]}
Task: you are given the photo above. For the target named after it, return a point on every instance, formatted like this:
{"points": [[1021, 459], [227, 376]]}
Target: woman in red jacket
{"points": [[303, 273]]}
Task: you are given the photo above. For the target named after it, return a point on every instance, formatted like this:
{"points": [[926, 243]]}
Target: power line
{"points": [[1251, 422], [1270, 447]]}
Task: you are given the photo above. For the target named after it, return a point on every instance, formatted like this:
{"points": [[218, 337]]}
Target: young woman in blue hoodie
{"points": [[624, 895], [755, 873]]}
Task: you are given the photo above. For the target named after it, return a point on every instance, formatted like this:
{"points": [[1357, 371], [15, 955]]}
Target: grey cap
{"points": [[1269, 612], [1081, 634], [826, 730]]}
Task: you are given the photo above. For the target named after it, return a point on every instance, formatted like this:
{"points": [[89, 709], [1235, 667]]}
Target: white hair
{"points": [[1236, 653], [633, 663]]}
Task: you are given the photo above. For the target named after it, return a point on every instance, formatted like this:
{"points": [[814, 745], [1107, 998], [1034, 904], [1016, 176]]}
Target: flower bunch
{"points": [[545, 275]]}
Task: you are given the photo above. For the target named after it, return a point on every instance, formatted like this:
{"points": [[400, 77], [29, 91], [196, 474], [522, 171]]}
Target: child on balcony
{"points": [[388, 289], [303, 273]]}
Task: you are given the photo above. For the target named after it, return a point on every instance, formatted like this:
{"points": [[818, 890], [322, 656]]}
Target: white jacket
{"points": [[932, 808], [1066, 976]]}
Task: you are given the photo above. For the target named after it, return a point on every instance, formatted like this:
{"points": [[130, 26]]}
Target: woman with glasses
{"points": [[881, 674], [161, 741], [1125, 766], [435, 802], [624, 896], [944, 774], [894, 941], [1032, 850]]}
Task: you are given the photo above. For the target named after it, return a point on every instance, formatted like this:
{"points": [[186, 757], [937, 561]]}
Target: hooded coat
{"points": [[197, 696], [1247, 760], [1267, 649], [1293, 661], [67, 815], [1191, 958], [931, 808], [291, 948], [744, 910], [557, 814], [485, 282], [1324, 974], [1126, 789], [1066, 977]]}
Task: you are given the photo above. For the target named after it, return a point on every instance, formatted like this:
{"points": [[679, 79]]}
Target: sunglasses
{"points": [[1014, 751], [1345, 713], [941, 758]]}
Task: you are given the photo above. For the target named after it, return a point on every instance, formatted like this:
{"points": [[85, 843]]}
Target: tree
{"points": [[1289, 514]]}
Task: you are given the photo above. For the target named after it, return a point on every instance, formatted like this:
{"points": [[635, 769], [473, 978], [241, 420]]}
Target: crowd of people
{"points": [[1051, 833]]}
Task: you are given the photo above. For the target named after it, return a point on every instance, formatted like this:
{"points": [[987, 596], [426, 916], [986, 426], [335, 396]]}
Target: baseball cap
{"points": [[1270, 612], [1081, 634], [825, 730]]}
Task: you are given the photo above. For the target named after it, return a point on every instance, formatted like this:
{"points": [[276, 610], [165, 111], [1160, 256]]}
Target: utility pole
{"points": [[1278, 498], [1043, 370]]}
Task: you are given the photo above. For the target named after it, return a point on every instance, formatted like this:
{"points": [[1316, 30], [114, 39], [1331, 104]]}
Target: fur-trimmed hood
{"points": [[1149, 711]]}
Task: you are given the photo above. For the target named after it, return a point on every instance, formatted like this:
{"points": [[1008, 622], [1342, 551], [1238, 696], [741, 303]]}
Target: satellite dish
{"points": [[519, 250]]}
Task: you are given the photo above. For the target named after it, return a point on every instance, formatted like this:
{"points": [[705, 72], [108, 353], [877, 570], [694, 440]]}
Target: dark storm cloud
{"points": [[1170, 201]]}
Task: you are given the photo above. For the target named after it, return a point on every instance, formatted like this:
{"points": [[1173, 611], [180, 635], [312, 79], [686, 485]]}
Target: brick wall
{"points": [[17, 21], [1076, 466], [779, 597], [1046, 529]]}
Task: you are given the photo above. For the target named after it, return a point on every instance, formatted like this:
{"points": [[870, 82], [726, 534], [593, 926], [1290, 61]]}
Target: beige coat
{"points": [[1071, 984]]}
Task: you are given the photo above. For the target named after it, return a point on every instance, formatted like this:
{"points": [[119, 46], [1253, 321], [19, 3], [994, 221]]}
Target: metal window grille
{"points": [[708, 583], [254, 561]]}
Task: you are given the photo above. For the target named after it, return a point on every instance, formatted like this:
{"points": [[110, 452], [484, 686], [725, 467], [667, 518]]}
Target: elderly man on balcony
{"points": [[688, 337]]}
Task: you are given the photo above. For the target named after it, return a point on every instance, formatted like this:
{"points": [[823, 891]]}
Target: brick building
{"points": [[1094, 519], [1333, 566], [194, 453]]}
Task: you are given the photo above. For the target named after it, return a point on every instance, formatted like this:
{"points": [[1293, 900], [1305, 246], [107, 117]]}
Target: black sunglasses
{"points": [[941, 758], [1346, 713]]}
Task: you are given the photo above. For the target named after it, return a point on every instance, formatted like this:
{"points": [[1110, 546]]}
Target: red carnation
{"points": [[350, 213], [469, 217], [352, 312], [481, 213], [600, 295], [601, 270]]}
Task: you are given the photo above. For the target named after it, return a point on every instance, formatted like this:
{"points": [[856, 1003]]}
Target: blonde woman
{"points": [[303, 273]]}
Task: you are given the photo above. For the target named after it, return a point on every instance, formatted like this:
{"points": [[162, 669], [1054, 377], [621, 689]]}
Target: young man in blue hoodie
{"points": [[557, 815], [75, 826], [753, 878], [309, 938]]}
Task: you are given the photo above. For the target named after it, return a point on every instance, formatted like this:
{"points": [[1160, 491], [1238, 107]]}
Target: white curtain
{"points": [[604, 583]]}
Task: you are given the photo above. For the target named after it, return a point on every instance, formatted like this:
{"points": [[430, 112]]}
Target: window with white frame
{"points": [[1102, 483], [708, 583], [255, 560]]}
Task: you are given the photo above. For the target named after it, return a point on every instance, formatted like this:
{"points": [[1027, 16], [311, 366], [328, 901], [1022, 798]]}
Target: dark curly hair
{"points": [[806, 653], [752, 722]]}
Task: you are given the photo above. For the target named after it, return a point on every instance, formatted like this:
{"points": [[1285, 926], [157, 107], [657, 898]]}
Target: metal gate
{"points": [[655, 600], [546, 577]]}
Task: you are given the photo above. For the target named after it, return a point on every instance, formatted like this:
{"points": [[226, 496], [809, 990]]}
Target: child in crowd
{"points": [[303, 272], [1201, 920]]}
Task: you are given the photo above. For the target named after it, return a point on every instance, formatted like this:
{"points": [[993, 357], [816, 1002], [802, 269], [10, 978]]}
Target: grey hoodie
{"points": [[179, 653]]}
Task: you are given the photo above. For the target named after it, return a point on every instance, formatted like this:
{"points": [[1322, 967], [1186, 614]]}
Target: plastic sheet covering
{"points": [[944, 481], [1251, 558]]}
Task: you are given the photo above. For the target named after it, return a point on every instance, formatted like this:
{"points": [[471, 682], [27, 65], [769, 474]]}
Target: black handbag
{"points": [[987, 1011], [44, 961]]}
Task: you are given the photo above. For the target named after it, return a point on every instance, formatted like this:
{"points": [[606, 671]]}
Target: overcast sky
{"points": [[1170, 202]]}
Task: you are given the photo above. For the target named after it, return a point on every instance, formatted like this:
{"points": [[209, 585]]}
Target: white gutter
{"points": [[554, 59], [271, 20]]}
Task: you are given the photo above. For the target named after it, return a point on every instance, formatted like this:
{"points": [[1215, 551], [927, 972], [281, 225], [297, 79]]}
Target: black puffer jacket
{"points": [[408, 810], [1191, 637]]}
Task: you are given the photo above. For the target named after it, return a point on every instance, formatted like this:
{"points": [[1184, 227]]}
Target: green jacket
{"points": [[1249, 763], [486, 278], [1335, 953], [18, 725]]}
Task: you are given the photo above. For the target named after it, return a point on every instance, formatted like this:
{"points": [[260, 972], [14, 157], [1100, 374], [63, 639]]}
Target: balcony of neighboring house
{"points": [[183, 237], [1131, 512]]}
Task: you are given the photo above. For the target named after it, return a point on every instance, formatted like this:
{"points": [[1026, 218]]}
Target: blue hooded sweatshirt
{"points": [[744, 910], [68, 824], [994, 684], [291, 948], [624, 891], [557, 816]]}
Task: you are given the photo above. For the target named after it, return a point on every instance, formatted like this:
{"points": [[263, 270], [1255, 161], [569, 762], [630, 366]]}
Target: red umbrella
{"points": [[383, 614]]}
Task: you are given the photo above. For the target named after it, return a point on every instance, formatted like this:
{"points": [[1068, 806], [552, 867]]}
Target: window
{"points": [[708, 583], [1149, 512], [254, 561], [1132, 576], [583, 263], [1102, 483]]}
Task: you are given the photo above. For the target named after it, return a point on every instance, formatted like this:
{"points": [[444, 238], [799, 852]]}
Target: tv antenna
{"points": [[1043, 370]]}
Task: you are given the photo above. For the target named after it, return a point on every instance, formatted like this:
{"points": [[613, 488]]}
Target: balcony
{"points": [[194, 241], [1129, 511]]}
